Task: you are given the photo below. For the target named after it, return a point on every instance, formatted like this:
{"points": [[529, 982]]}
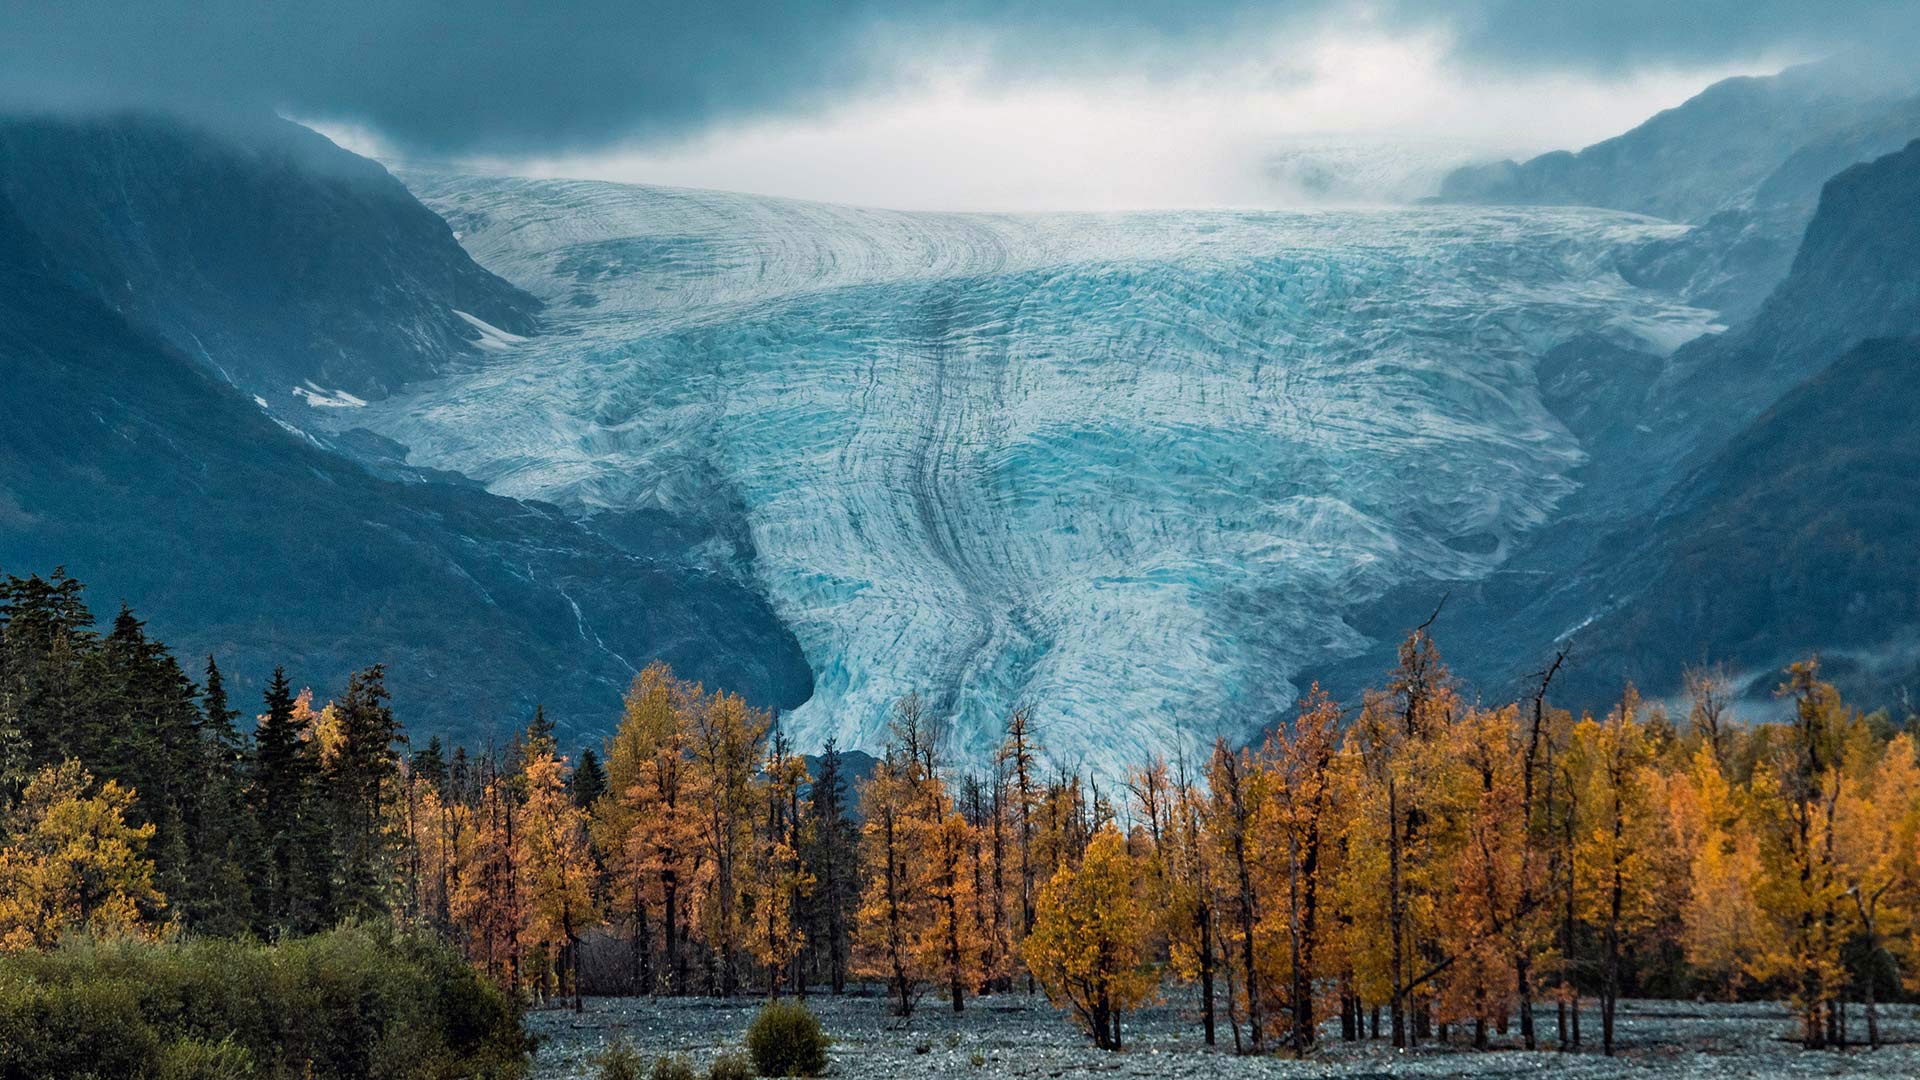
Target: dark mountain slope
{"points": [[1801, 534], [154, 483], [260, 249], [1743, 500]]}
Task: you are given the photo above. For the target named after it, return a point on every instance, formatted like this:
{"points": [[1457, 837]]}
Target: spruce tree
{"points": [[281, 779], [831, 857], [361, 778], [221, 834], [589, 780]]}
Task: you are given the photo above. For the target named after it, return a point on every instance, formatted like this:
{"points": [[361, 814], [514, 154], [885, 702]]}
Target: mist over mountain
{"points": [[292, 269], [1743, 161]]}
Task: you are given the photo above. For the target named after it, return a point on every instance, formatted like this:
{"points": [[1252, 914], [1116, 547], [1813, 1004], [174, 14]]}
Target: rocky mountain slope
{"points": [[1747, 500], [238, 533], [293, 269]]}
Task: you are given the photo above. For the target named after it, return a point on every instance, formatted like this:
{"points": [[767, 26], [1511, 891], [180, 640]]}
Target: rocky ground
{"points": [[1021, 1037]]}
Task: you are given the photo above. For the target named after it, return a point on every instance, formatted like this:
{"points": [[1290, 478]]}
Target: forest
{"points": [[1421, 866]]}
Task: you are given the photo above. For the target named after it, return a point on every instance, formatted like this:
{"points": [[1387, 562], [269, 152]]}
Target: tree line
{"points": [[1423, 866]]}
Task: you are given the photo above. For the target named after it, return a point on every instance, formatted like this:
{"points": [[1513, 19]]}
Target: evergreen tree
{"points": [[832, 859], [220, 833], [589, 780], [360, 780], [278, 788]]}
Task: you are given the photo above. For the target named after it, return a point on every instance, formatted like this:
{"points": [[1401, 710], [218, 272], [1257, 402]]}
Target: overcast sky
{"points": [[962, 104]]}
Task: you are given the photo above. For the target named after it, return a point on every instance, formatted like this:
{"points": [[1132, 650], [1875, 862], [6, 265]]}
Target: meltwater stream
{"points": [[1130, 470]]}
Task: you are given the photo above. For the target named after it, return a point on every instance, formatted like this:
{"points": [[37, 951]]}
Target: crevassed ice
{"points": [[1128, 469]]}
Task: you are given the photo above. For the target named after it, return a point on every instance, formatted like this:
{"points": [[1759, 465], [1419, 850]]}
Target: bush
{"points": [[672, 1067], [731, 1065], [619, 1062], [785, 1040], [356, 1002]]}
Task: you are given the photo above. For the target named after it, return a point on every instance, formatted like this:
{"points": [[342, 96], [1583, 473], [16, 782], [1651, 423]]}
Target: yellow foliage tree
{"points": [[72, 863], [1086, 943], [556, 870]]}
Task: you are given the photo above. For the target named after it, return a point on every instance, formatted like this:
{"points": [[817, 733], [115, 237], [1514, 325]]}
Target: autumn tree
{"points": [[646, 827], [778, 879], [1085, 948], [1795, 799], [71, 862], [1720, 911], [555, 867], [725, 740], [901, 806], [1876, 844]]}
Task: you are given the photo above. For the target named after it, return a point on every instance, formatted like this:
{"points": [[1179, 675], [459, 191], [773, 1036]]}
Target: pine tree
{"points": [[221, 835]]}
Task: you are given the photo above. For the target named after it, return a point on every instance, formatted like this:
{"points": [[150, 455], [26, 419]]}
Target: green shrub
{"points": [[785, 1040], [731, 1065], [356, 1002], [672, 1067], [197, 1059], [619, 1062]]}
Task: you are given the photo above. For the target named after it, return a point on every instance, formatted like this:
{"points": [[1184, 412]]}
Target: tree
{"points": [[901, 806], [1085, 947], [1019, 754], [1876, 844], [833, 861], [1719, 912], [726, 740], [1237, 788], [1795, 795], [779, 879], [555, 867], [1297, 828], [1613, 838], [72, 862], [589, 780], [284, 771], [362, 774]]}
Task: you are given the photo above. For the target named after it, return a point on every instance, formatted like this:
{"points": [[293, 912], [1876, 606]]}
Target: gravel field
{"points": [[1017, 1036]]}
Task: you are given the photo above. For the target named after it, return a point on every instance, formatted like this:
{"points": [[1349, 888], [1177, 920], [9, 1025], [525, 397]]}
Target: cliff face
{"points": [[290, 267]]}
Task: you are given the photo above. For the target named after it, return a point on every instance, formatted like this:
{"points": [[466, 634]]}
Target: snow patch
{"points": [[320, 397], [492, 338]]}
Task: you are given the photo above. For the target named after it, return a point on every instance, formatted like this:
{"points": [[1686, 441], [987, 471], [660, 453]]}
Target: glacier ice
{"points": [[1130, 469]]}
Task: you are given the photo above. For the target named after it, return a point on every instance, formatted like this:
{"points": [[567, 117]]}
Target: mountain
{"points": [[238, 533], [295, 270], [1747, 500], [1743, 161]]}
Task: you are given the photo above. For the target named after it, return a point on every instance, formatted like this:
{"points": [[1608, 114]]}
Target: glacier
{"points": [[1128, 470]]}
